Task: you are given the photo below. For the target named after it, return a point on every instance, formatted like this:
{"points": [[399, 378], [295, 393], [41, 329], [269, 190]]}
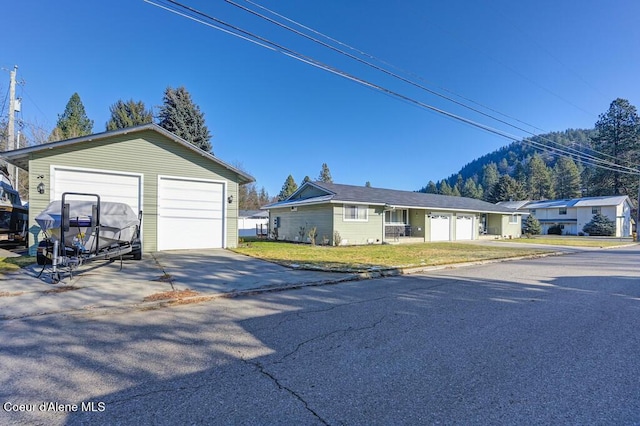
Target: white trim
{"points": [[225, 194]]}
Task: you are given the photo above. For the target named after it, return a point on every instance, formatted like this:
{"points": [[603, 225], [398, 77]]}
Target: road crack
{"points": [[281, 386]]}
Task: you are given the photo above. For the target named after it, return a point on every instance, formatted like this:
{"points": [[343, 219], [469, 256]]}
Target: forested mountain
{"points": [[604, 160], [533, 173]]}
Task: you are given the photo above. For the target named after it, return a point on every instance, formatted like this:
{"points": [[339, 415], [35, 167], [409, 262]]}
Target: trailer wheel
{"points": [[137, 255]]}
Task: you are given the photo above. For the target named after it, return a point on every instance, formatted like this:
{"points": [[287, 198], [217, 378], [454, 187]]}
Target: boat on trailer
{"points": [[80, 228]]}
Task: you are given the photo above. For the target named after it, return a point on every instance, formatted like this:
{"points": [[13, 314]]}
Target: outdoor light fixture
{"points": [[40, 188], [230, 199]]}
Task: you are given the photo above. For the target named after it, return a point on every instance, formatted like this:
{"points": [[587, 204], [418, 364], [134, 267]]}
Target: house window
{"points": [[562, 210], [595, 210], [513, 219], [533, 212], [356, 213], [396, 217]]}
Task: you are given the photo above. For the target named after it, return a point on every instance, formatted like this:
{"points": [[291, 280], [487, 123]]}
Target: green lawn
{"points": [[362, 258], [8, 264], [567, 240]]}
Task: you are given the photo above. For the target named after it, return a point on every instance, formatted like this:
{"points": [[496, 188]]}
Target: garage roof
{"points": [[20, 157]]}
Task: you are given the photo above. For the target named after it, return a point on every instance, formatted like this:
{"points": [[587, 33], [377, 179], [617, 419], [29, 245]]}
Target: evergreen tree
{"points": [[180, 116], [367, 184], [325, 174], [306, 179], [567, 178], [128, 114], [263, 197], [618, 135], [539, 180], [532, 226], [600, 225], [490, 177], [73, 122], [470, 189], [507, 189], [445, 189], [288, 188], [431, 188]]}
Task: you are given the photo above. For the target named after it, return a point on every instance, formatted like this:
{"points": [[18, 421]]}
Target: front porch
{"points": [[401, 234]]}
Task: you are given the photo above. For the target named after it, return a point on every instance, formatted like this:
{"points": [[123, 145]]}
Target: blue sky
{"points": [[553, 65]]}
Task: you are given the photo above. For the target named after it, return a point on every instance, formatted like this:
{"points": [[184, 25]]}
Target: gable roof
{"points": [[613, 200], [20, 157], [323, 192]]}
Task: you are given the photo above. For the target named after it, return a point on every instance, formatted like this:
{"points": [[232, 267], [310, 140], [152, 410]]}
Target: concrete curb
{"points": [[200, 298]]}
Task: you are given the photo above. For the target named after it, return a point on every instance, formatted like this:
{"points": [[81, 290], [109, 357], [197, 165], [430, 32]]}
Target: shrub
{"points": [[532, 226], [554, 230], [337, 239], [313, 234], [600, 225]]}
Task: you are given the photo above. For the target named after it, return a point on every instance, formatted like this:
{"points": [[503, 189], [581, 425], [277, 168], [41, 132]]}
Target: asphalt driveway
{"points": [[100, 284]]}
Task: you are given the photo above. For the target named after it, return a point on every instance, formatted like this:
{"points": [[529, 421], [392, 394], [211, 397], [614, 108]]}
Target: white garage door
{"points": [[190, 214], [110, 185], [464, 228], [440, 225]]}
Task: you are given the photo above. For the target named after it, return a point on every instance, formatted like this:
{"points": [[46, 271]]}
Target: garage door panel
{"points": [[190, 214], [440, 228], [464, 228], [111, 186]]}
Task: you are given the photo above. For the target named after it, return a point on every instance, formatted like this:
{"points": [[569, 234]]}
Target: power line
{"points": [[263, 42], [400, 77]]}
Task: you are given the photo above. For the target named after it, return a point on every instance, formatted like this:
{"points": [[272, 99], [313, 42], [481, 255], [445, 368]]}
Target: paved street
{"points": [[541, 341]]}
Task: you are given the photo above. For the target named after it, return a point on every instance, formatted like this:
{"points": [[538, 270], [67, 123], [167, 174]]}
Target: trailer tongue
{"points": [[82, 228]]}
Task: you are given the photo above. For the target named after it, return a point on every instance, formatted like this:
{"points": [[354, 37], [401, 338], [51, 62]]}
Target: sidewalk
{"points": [[101, 285]]}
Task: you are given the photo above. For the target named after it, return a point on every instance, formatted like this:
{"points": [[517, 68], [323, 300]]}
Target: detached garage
{"points": [[188, 197]]}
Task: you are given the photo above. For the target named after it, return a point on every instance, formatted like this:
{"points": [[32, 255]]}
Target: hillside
{"points": [[514, 161]]}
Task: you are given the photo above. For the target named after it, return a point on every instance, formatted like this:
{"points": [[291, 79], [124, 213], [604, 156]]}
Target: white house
{"points": [[573, 214]]}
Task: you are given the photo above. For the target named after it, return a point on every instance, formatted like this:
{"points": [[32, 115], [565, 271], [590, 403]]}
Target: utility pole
{"points": [[11, 139]]}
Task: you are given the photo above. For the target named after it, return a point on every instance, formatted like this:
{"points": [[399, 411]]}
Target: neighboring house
{"points": [[188, 197], [346, 214], [252, 223], [573, 214]]}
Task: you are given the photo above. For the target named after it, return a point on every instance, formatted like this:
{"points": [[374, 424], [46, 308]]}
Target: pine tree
{"points": [[531, 226], [507, 189], [431, 188], [470, 189], [618, 135], [73, 122], [263, 197], [539, 180], [367, 184], [600, 225], [183, 118], [445, 188], [325, 174], [567, 178], [288, 188], [490, 177], [128, 114]]}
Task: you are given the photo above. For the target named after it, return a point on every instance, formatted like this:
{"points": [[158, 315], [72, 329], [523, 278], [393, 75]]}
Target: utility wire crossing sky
{"points": [[470, 77]]}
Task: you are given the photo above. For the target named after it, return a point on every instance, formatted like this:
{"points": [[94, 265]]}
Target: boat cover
{"points": [[112, 214]]}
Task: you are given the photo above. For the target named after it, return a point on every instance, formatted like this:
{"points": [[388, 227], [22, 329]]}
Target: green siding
{"points": [[356, 232], [150, 154], [306, 217]]}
